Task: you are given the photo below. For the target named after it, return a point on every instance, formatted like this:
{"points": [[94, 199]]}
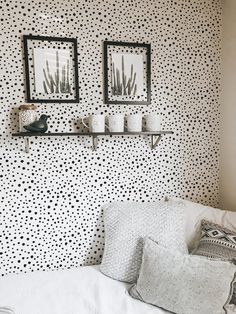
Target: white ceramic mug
{"points": [[153, 122], [116, 123], [134, 122], [96, 123]]}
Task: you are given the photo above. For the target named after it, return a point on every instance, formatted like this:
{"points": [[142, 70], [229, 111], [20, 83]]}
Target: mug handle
{"points": [[143, 125], [106, 125], [125, 126], [84, 123]]}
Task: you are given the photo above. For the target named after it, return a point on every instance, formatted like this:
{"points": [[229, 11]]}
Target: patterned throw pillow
{"points": [[218, 242], [128, 223]]}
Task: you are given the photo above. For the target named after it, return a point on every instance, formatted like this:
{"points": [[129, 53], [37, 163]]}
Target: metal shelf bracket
{"points": [[27, 147], [155, 142], [95, 142]]}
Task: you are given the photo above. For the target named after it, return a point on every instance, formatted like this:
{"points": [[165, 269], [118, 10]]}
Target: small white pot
{"points": [[153, 122], [96, 123], [134, 123], [116, 123]]}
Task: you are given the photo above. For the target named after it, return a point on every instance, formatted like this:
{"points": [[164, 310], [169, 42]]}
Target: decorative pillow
{"points": [[219, 243], [216, 242], [195, 213], [126, 224], [183, 284]]}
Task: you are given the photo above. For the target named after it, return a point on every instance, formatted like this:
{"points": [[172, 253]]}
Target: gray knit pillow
{"points": [[127, 223], [182, 283]]}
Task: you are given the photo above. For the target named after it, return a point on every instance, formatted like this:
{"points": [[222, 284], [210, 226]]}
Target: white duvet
{"points": [[82, 290]]}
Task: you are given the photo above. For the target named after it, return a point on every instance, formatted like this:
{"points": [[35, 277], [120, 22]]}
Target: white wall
{"points": [[50, 199], [228, 177]]}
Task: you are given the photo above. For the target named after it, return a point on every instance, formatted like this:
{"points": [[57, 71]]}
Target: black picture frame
{"points": [[106, 44], [29, 98]]}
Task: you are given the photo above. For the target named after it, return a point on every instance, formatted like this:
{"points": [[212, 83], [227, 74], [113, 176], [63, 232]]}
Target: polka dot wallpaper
{"points": [[50, 199]]}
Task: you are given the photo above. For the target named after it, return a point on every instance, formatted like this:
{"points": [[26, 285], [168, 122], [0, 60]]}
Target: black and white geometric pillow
{"points": [[218, 242]]}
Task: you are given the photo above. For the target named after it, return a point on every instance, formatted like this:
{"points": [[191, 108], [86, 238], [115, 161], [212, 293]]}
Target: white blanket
{"points": [[82, 290], [6, 310]]}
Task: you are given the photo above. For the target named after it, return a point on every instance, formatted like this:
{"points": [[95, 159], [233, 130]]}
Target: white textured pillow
{"points": [[183, 284], [195, 213], [126, 224]]}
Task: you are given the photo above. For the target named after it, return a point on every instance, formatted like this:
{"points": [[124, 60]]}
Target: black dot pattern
{"points": [[50, 212]]}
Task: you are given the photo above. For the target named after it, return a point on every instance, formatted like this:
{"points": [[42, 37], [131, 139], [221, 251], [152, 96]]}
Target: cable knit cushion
{"points": [[183, 284], [126, 224]]}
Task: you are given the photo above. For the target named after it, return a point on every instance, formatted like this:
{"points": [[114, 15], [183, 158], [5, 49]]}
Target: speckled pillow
{"points": [[127, 224], [182, 283]]}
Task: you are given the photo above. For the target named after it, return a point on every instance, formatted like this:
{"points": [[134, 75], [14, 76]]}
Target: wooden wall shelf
{"points": [[155, 136]]}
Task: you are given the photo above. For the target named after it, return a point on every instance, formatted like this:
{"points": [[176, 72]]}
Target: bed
{"points": [[84, 290]]}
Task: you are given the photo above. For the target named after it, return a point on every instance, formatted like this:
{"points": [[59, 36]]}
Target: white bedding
{"points": [[82, 290]]}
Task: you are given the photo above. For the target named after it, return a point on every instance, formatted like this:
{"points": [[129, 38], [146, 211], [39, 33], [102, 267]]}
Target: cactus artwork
{"points": [[57, 82], [127, 75], [52, 71]]}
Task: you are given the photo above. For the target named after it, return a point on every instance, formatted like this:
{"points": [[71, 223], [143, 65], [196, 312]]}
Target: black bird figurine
{"points": [[39, 125]]}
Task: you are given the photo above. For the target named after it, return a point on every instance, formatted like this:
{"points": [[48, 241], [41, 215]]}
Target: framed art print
{"points": [[127, 73], [51, 69]]}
